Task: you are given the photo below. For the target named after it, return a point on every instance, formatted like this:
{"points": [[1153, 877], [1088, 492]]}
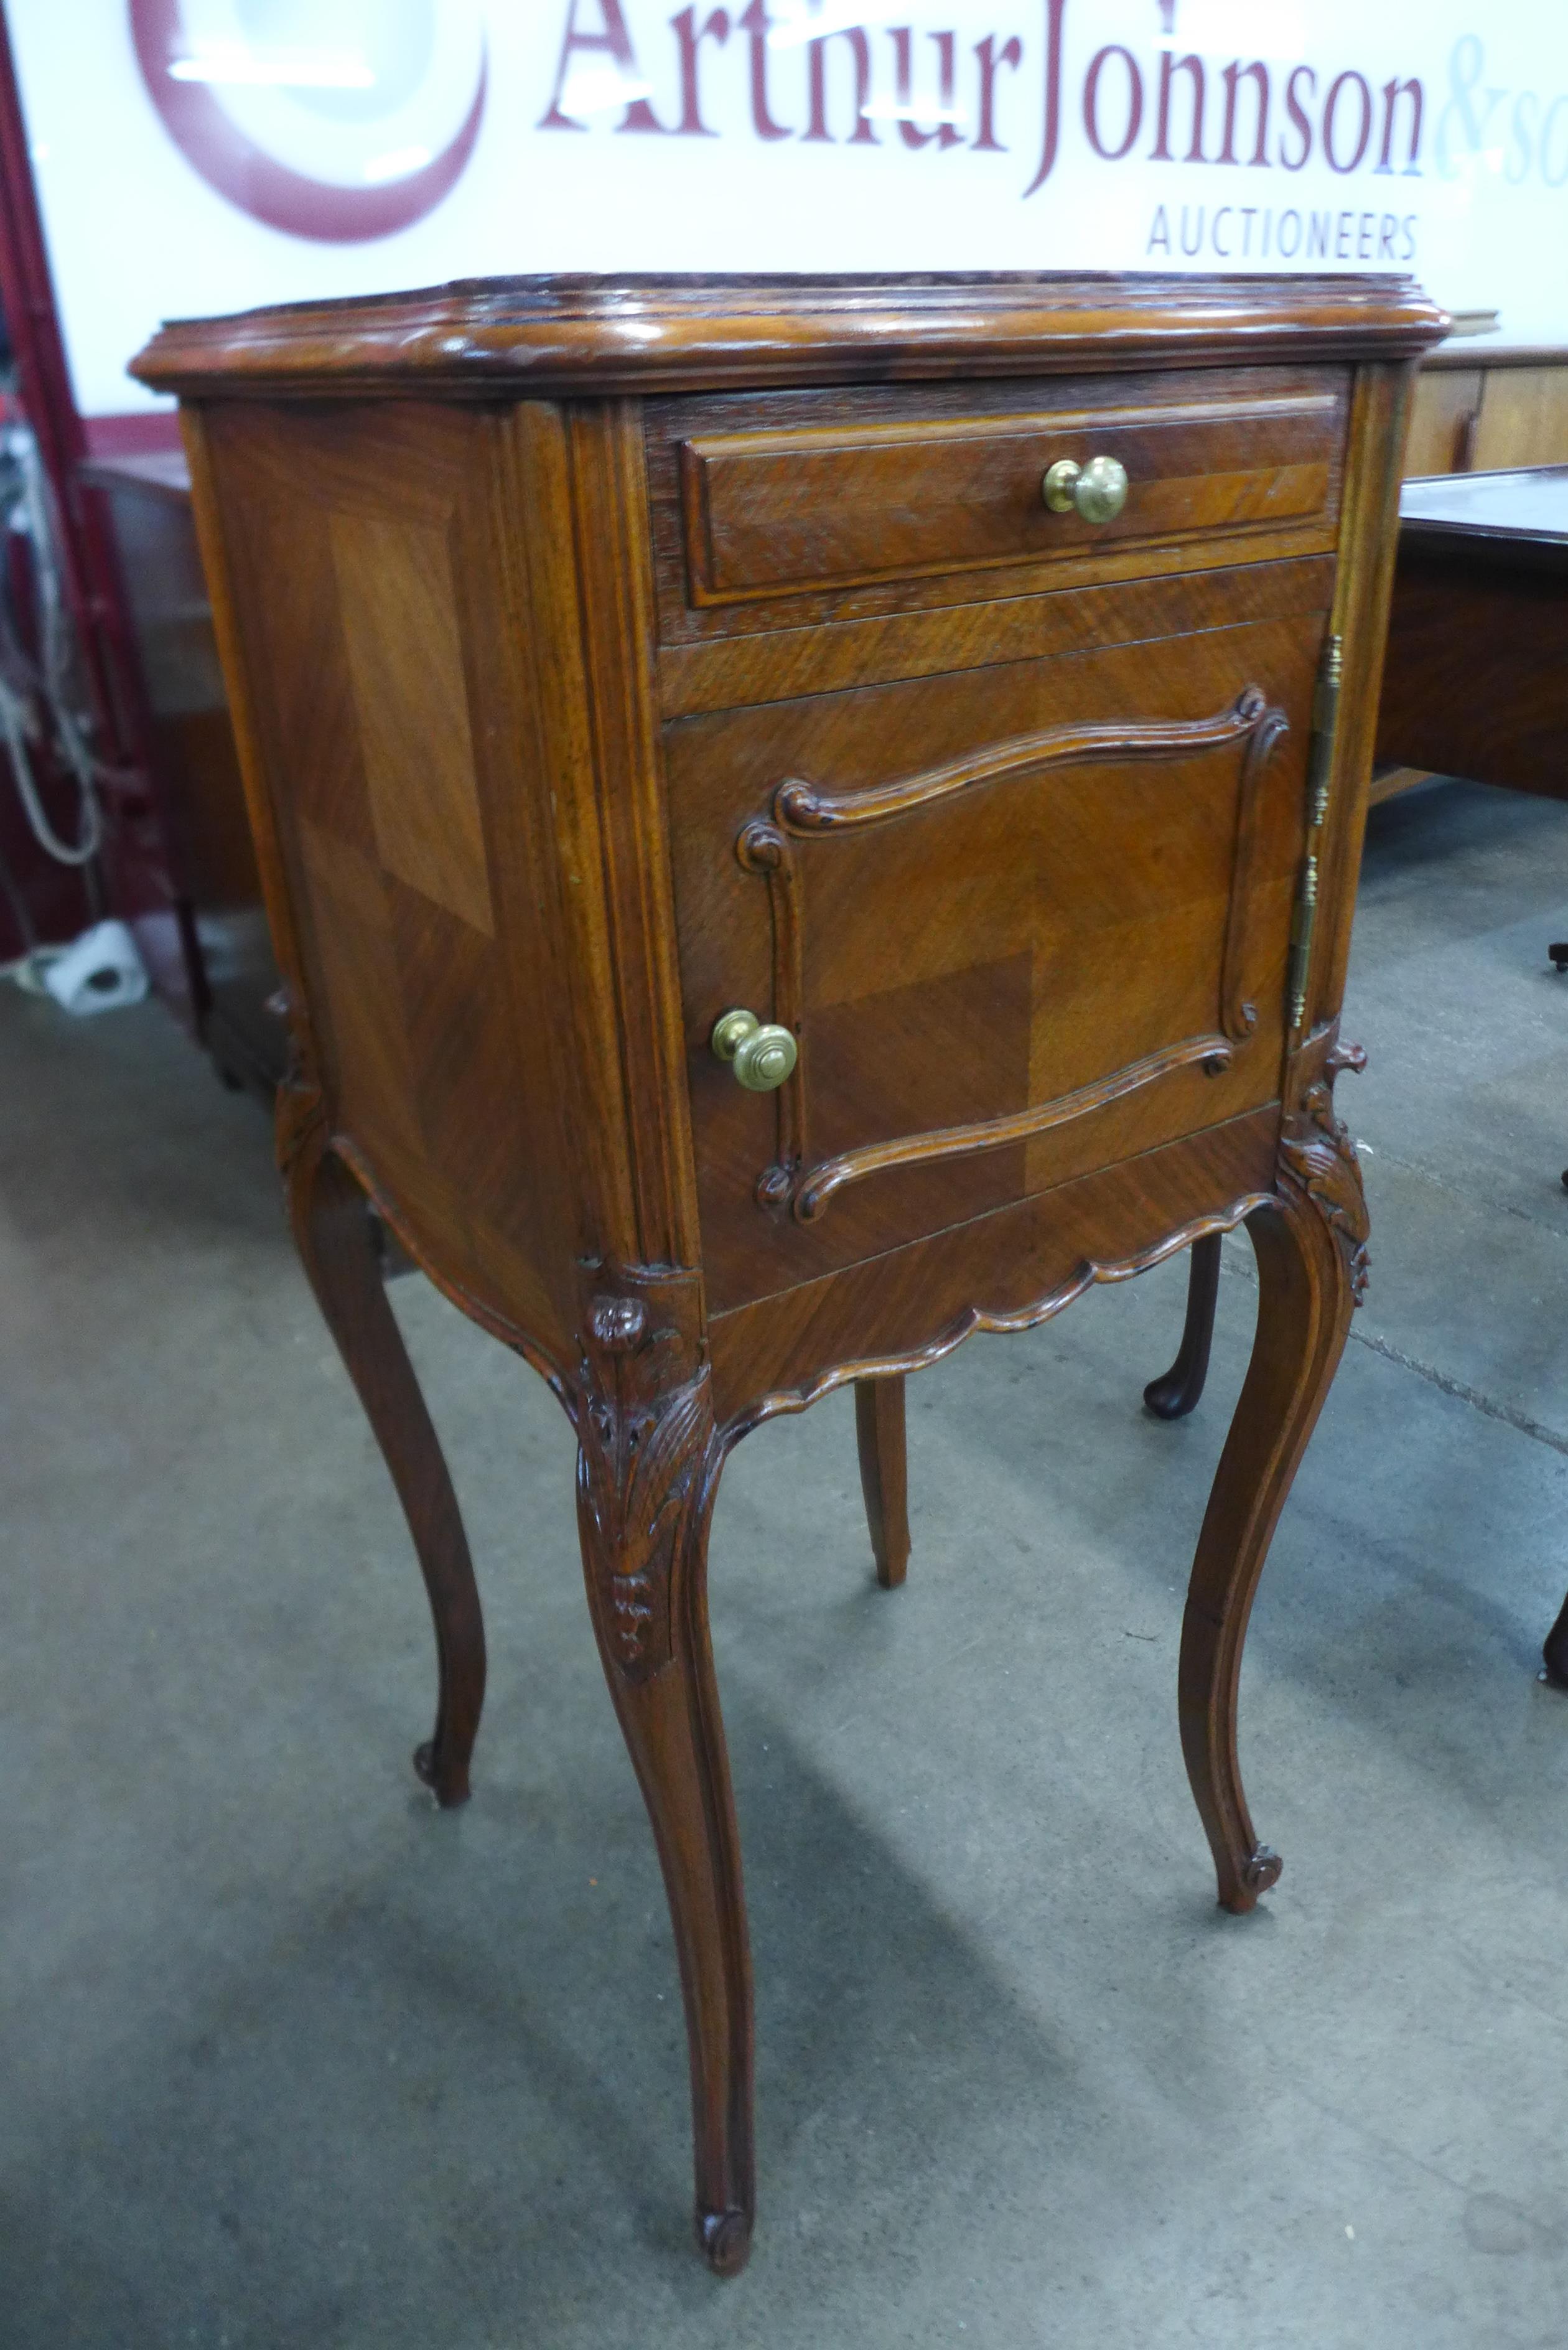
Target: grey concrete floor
{"points": [[289, 2058]]}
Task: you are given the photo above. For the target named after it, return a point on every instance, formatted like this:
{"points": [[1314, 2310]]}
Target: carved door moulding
{"points": [[800, 812]]}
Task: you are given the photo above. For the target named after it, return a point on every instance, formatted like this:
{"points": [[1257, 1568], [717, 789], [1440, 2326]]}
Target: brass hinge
{"points": [[1303, 922], [1319, 779], [1325, 720]]}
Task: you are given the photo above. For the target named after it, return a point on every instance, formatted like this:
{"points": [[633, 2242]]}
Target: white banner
{"points": [[205, 155]]}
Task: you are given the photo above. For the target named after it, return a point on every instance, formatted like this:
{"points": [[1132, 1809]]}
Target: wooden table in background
{"points": [[1475, 681]]}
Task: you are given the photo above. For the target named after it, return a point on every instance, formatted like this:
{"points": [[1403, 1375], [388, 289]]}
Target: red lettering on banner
{"points": [[1232, 77], [990, 60], [1340, 83], [756, 24], [1169, 68], [684, 27], [1092, 101], [1299, 118], [863, 134], [1122, 86], [1054, 11], [945, 134], [1393, 91], [613, 41]]}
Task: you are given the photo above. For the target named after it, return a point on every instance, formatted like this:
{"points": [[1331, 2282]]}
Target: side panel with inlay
{"points": [[383, 638]]}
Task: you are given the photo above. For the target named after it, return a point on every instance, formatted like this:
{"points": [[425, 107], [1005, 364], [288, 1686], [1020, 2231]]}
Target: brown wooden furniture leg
{"points": [[647, 1469], [1312, 1260], [1554, 1654], [885, 1473], [1180, 1390], [331, 1223]]}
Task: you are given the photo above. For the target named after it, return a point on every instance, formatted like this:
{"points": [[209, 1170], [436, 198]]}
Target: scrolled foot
{"points": [[724, 2239], [1259, 1872], [448, 1782], [1168, 1397]]}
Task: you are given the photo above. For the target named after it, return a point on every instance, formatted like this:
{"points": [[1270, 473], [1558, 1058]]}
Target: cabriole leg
{"points": [[332, 1230], [647, 1469], [884, 1474], [1180, 1390], [1310, 1245]]}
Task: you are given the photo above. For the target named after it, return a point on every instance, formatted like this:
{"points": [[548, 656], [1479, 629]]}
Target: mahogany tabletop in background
{"points": [[1475, 681]]}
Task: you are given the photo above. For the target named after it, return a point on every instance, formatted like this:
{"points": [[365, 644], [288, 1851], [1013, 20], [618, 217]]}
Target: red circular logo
{"points": [[336, 120]]}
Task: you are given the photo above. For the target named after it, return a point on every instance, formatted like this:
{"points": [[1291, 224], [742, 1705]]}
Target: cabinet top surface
{"points": [[517, 336]]}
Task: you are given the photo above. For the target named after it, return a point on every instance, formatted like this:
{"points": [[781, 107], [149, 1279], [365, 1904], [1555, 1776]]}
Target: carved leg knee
{"points": [[648, 1468]]}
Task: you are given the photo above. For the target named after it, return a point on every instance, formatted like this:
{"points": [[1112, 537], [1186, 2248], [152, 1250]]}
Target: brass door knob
{"points": [[762, 1056], [1099, 490]]}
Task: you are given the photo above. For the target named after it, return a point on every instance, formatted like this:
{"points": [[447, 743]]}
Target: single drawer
{"points": [[789, 511]]}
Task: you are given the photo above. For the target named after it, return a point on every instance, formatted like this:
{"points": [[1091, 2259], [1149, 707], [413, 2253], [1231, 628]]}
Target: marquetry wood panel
{"points": [[377, 611], [938, 490], [999, 949], [398, 606]]}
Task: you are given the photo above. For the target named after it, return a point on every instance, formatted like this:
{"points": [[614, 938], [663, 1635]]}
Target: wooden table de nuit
{"points": [[803, 819]]}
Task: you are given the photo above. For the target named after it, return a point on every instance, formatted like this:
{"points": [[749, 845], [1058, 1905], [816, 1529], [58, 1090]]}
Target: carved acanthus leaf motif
{"points": [[1316, 1147], [643, 1438]]}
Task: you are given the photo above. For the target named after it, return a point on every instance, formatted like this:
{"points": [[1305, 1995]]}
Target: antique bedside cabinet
{"points": [[801, 819]]}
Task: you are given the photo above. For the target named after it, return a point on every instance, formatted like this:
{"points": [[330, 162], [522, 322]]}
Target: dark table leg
{"points": [[1178, 1390]]}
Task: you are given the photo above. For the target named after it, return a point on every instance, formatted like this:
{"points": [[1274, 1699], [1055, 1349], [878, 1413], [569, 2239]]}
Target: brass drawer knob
{"points": [[762, 1056], [1099, 490]]}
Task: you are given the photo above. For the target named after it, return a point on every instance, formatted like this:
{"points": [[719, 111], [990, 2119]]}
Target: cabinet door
{"points": [[1023, 922]]}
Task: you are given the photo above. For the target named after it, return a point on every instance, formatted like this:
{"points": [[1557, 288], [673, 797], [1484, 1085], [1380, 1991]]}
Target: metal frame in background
{"points": [[136, 862]]}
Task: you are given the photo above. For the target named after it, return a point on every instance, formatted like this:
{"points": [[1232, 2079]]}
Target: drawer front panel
{"points": [[771, 514], [773, 511], [1024, 922]]}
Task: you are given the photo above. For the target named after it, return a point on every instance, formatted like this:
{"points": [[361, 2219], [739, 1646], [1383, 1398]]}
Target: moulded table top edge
{"points": [[1465, 354], [521, 337]]}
